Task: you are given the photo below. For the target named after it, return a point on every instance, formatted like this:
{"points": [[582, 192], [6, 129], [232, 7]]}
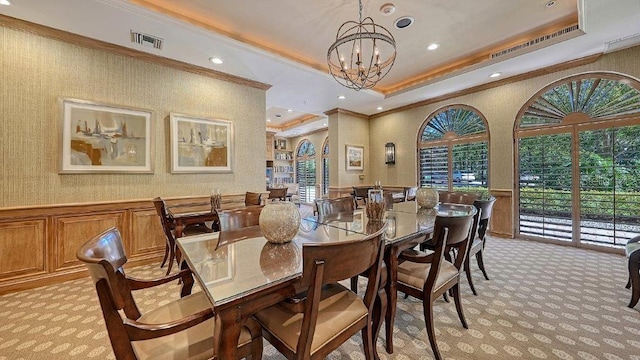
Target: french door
{"points": [[580, 183]]}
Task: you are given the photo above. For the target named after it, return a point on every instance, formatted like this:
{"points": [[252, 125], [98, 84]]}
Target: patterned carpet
{"points": [[542, 302]]}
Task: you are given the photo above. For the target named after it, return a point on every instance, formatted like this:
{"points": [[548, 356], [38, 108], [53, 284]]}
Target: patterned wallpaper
{"points": [[35, 72]]}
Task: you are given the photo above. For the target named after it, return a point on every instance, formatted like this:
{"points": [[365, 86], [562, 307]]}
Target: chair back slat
{"points": [[342, 259], [278, 193], [234, 222], [239, 218], [455, 197], [252, 198], [161, 210], [336, 206], [104, 257], [411, 193], [486, 208]]}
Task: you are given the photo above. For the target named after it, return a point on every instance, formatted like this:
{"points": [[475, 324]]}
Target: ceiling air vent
{"points": [[146, 40], [535, 41]]}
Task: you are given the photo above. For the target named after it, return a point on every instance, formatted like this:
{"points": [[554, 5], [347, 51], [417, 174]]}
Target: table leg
{"points": [[228, 331], [391, 259], [178, 230]]}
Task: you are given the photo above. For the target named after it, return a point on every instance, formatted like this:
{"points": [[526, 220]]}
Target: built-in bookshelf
{"points": [[280, 170]]}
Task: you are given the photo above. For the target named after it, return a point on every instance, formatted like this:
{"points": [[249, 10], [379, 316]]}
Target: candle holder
{"points": [[216, 199], [375, 205]]}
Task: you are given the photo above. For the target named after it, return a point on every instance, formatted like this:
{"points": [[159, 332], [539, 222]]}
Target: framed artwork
{"points": [[280, 144], [102, 138], [200, 145], [354, 157]]}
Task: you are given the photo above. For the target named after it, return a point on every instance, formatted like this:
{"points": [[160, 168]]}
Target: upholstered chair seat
{"points": [[179, 329], [193, 343], [415, 274], [339, 309], [325, 314]]}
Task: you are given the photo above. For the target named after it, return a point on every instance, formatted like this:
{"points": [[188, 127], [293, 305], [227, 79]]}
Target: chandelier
{"points": [[355, 59]]}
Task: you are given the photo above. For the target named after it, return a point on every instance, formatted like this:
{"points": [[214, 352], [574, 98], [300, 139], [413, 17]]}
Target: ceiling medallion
{"points": [[355, 58]]}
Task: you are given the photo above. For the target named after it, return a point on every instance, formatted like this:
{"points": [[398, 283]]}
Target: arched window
{"points": [[453, 150], [578, 161], [306, 170], [325, 167]]}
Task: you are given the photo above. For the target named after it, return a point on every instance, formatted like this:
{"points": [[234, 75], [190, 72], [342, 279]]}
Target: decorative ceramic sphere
{"points": [[427, 198], [279, 221], [426, 218], [278, 260]]}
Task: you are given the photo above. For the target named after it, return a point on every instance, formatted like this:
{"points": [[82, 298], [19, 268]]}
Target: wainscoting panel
{"points": [[22, 245], [72, 232], [148, 236], [502, 216], [38, 244]]}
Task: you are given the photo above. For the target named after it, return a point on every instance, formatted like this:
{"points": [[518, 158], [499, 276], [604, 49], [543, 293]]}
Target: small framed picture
{"points": [[200, 145], [354, 157], [102, 138]]}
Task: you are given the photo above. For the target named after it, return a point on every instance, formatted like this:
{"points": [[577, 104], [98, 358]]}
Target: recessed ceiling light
{"points": [[379, 107], [268, 120], [214, 60], [341, 97], [496, 74], [6, 2], [433, 46], [289, 110], [403, 22], [550, 3], [324, 124]]}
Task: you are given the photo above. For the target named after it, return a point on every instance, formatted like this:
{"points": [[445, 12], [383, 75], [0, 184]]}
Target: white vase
{"points": [[279, 221], [427, 198]]}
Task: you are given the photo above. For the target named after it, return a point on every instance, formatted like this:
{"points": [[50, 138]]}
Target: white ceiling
{"points": [[283, 43]]}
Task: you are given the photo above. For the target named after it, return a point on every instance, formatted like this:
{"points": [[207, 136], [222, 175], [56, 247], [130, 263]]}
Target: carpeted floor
{"points": [[542, 302]]}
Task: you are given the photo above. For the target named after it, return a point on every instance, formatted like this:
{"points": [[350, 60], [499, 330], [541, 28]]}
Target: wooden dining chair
{"points": [[477, 245], [632, 250], [411, 193], [233, 221], [168, 228], [334, 207], [180, 329], [252, 198], [360, 195], [427, 276], [312, 325], [456, 197], [279, 194]]}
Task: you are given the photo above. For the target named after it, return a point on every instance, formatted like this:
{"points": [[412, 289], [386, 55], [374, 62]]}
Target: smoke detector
{"points": [[387, 9]]}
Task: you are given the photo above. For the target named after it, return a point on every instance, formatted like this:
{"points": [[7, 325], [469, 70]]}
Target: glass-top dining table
{"points": [[242, 273]]}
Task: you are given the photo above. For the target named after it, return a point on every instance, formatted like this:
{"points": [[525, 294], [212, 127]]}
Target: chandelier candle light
{"points": [[356, 59]]}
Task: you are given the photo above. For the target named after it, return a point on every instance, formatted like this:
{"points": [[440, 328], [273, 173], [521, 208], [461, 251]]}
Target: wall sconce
{"points": [[390, 153]]}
